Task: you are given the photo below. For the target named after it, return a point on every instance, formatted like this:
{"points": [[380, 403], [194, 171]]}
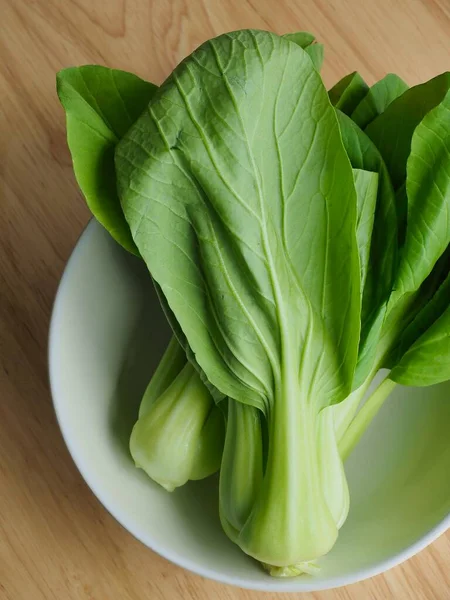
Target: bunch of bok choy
{"points": [[299, 243]]}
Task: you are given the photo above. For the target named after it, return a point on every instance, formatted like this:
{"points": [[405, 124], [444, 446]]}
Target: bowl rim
{"points": [[292, 585]]}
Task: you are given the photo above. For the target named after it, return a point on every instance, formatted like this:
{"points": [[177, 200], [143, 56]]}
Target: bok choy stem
{"points": [[364, 417]]}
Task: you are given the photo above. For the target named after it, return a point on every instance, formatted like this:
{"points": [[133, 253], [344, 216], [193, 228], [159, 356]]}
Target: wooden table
{"points": [[56, 541]]}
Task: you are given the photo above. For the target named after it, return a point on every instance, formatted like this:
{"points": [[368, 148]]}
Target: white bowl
{"points": [[107, 334]]}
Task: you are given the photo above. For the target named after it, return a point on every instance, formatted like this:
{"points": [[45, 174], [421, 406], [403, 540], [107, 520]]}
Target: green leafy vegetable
{"points": [[383, 250], [179, 436], [392, 131], [428, 193], [366, 184], [347, 93], [308, 42], [429, 310], [315, 52], [301, 38], [232, 245], [426, 362], [299, 241], [242, 466], [414, 340], [101, 104], [378, 98], [171, 364]]}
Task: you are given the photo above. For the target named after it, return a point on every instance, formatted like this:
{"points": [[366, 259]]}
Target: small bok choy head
{"points": [[241, 199], [179, 435], [180, 431]]}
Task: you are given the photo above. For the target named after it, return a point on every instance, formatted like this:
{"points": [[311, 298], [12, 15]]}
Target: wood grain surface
{"points": [[56, 540]]}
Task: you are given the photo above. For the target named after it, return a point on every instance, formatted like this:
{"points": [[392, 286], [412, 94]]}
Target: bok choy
{"points": [[298, 239]]}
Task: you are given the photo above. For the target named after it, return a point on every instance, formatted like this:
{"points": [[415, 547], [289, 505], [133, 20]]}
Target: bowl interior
{"points": [[108, 333]]}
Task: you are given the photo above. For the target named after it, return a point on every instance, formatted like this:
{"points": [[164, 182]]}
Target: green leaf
{"points": [[383, 252], [167, 164], [427, 362], [308, 42], [101, 104], [378, 98], [240, 197], [183, 343], [366, 185], [347, 93], [418, 355], [428, 193], [431, 301], [315, 52], [301, 38], [392, 131], [401, 201]]}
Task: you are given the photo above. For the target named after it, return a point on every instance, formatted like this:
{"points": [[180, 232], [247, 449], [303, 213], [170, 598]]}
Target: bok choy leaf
{"points": [[241, 200]]}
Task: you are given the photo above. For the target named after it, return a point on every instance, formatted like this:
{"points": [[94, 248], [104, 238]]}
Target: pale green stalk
{"points": [[345, 411], [242, 466], [364, 417], [173, 360]]}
